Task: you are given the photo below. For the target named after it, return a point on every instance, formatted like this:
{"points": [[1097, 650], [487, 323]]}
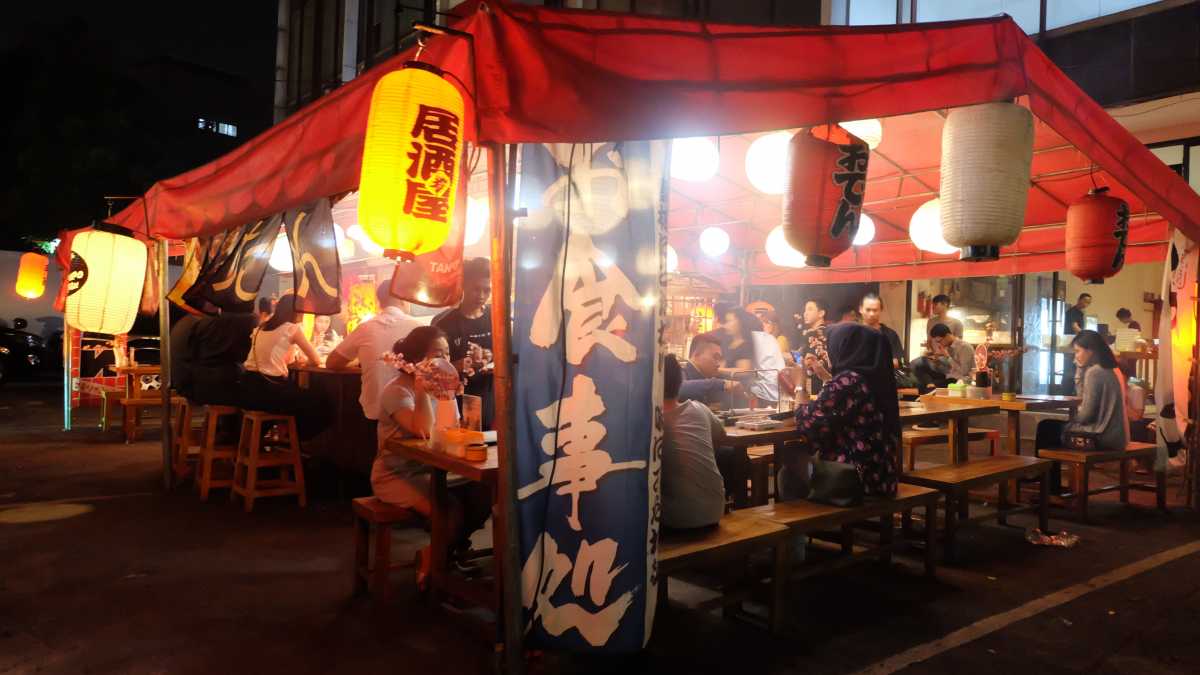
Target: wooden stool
{"points": [[183, 437], [1080, 463], [912, 439], [373, 521], [251, 458], [211, 452], [108, 400]]}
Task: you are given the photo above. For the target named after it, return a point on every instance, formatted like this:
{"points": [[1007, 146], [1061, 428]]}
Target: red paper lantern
{"points": [[822, 200], [1097, 232]]}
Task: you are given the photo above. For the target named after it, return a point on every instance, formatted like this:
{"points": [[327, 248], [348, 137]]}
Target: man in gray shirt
{"points": [[947, 360], [693, 490]]}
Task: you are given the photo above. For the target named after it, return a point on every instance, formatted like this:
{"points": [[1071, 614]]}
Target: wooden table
{"points": [[137, 376], [1022, 403], [349, 442], [485, 472]]}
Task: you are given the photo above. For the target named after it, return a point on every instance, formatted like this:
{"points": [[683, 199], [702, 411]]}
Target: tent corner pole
{"points": [[506, 517], [164, 359]]}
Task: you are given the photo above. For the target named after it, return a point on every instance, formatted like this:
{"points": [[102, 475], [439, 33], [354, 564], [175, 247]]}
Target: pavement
{"points": [[102, 571]]}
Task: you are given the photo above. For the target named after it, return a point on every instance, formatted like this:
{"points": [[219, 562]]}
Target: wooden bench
{"points": [[805, 517], [131, 415], [955, 480], [911, 439], [739, 534], [1081, 463], [373, 522]]}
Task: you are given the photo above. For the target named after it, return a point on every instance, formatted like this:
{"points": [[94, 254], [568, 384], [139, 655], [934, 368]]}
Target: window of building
{"points": [[1027, 13], [223, 128], [227, 129]]}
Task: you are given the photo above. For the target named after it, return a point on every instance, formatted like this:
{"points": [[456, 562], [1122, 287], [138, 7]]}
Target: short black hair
{"points": [[849, 309], [941, 299], [821, 304], [939, 330], [1084, 295], [1124, 313], [476, 268], [871, 296], [672, 378], [415, 345], [700, 340], [721, 309], [266, 305]]}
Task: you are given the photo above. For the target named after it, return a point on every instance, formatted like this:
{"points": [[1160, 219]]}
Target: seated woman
{"points": [[407, 410], [1101, 411], [856, 417], [265, 384]]}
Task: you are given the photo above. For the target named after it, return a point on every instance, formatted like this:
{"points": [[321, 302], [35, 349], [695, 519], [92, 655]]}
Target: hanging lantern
{"points": [[31, 275], [827, 174], [104, 284], [410, 164], [925, 229], [986, 154], [780, 252], [1096, 235]]}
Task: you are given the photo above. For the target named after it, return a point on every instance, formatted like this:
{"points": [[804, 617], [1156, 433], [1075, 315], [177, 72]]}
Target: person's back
{"points": [[1102, 410], [368, 343], [693, 490], [269, 350]]}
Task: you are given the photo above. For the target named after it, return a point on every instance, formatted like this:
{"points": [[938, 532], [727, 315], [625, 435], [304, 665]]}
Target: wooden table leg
{"points": [[887, 526], [439, 535], [959, 440], [1082, 476], [1044, 501], [1124, 484], [931, 536], [1003, 506], [951, 526], [783, 552], [1014, 432]]}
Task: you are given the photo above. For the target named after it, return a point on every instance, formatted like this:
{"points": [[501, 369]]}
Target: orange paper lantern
{"points": [[822, 201], [410, 164], [31, 275], [1096, 235]]}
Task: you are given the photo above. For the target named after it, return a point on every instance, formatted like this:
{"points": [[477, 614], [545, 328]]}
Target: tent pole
{"points": [[505, 528], [164, 360]]}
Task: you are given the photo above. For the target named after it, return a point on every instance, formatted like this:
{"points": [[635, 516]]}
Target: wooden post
{"points": [[164, 360], [506, 516]]}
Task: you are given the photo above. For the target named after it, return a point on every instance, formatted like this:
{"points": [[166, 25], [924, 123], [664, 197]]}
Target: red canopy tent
{"points": [[546, 75]]}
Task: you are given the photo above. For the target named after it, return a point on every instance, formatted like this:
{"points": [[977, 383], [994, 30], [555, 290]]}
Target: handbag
{"points": [[1082, 440], [835, 483]]}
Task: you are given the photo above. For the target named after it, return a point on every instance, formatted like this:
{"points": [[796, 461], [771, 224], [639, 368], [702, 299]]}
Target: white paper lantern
{"points": [[780, 252], [986, 155], [104, 285], [925, 229], [766, 162], [672, 260], [281, 254], [478, 214], [714, 242], [866, 231], [870, 131], [694, 159]]}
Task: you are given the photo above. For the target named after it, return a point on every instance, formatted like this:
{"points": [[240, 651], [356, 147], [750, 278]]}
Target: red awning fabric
{"points": [[547, 75]]}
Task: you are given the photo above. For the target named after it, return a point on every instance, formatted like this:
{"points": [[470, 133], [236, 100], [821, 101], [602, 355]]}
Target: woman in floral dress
{"points": [[856, 418]]}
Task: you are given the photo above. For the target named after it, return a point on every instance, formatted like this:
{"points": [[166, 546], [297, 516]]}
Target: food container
{"points": [[1008, 396], [957, 389], [454, 441], [476, 452]]}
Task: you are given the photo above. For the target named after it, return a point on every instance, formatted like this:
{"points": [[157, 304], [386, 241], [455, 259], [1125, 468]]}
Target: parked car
{"points": [[22, 354]]}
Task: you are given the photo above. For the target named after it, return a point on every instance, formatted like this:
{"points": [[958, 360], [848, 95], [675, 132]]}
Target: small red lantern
{"points": [[1096, 236], [822, 201]]}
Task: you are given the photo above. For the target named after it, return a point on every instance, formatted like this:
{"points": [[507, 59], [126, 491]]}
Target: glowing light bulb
{"points": [[870, 131], [714, 242], [866, 231], [672, 260], [766, 162], [925, 229], [694, 159], [780, 252], [281, 254], [478, 214]]}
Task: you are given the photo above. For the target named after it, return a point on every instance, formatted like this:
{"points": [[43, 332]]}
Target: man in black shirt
{"points": [[1075, 321], [871, 308], [469, 332]]}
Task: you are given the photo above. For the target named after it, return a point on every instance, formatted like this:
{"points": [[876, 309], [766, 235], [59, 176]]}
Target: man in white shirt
{"points": [[367, 344]]}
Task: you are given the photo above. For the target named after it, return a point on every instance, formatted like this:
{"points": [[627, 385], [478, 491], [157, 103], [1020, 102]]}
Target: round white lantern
{"points": [[104, 283], [694, 159], [986, 154], [281, 254], [870, 131], [866, 231], [925, 229], [714, 242], [672, 260], [766, 162], [780, 252]]}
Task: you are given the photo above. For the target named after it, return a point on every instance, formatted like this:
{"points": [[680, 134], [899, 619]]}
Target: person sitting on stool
{"points": [[947, 359]]}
